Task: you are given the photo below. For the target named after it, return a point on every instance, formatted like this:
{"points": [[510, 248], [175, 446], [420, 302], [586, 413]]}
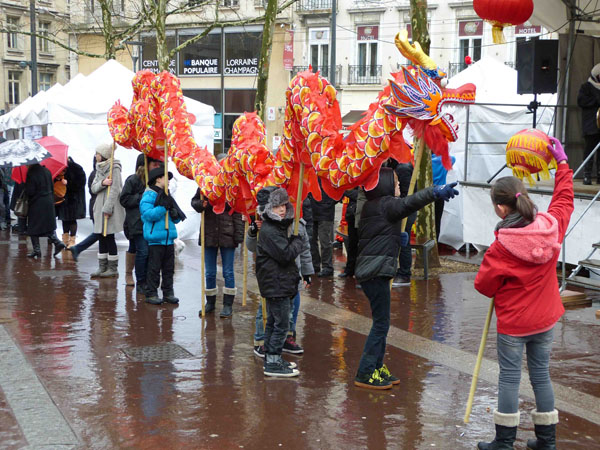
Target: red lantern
{"points": [[503, 13], [527, 154]]}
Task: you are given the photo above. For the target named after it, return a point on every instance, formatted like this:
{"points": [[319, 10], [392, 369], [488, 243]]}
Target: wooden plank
{"points": [[584, 282], [574, 298]]}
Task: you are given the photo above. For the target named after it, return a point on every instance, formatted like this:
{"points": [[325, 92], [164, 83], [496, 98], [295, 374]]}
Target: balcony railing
{"points": [[324, 72], [313, 5], [364, 74]]}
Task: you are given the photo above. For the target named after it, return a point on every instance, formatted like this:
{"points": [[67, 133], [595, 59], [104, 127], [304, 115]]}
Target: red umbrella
{"points": [[55, 164]]}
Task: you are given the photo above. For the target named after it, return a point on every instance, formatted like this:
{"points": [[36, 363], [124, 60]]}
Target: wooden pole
{"points": [[112, 163], [413, 181], [486, 328], [202, 245], [245, 265], [263, 302], [146, 168], [167, 186], [299, 200]]}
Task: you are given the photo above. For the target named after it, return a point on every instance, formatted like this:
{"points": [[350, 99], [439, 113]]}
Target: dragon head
{"points": [[420, 94]]}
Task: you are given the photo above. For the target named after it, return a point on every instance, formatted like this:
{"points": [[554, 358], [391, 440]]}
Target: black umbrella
{"points": [[22, 152]]}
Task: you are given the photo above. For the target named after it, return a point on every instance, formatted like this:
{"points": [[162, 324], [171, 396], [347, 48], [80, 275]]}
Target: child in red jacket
{"points": [[519, 271]]}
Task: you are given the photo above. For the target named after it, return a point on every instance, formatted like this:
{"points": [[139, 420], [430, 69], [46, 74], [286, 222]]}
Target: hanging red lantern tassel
{"points": [[503, 13]]}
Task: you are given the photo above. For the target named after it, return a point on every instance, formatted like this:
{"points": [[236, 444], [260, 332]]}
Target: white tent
{"points": [[490, 120], [78, 118]]}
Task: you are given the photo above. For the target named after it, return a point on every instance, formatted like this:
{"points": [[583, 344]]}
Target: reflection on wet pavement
{"points": [[74, 332]]}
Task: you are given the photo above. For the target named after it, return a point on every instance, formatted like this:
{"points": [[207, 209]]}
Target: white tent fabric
{"points": [[552, 14], [78, 118], [496, 83]]}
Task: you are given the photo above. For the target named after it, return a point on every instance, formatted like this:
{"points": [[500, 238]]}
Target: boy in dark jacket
{"points": [[380, 237], [277, 274], [154, 205]]}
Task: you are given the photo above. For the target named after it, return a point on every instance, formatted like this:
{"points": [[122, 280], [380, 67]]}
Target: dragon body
{"points": [[413, 99]]}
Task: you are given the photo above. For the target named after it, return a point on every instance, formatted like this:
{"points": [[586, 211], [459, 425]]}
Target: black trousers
{"points": [[439, 210], [590, 143], [161, 259], [278, 323]]}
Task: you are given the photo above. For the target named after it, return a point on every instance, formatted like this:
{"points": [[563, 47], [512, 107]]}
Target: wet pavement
{"points": [[72, 374]]}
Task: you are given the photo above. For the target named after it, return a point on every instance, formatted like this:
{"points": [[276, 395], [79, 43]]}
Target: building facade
{"points": [[52, 19]]}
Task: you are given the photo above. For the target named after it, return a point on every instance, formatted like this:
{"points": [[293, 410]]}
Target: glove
{"points": [[403, 239], [174, 214], [306, 279], [253, 229], [557, 150], [445, 192]]}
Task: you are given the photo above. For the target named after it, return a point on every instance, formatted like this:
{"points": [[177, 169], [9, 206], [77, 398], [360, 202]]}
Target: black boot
{"points": [[58, 245], [506, 432], [545, 431], [210, 304], [169, 297], [35, 248], [227, 310]]}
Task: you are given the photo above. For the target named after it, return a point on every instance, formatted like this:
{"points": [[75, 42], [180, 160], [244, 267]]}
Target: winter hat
{"points": [[385, 186], [104, 150], [594, 78], [279, 197], [157, 173], [262, 197], [139, 162]]}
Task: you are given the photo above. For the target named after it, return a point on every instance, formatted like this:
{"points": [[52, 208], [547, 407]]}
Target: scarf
{"points": [[513, 220], [161, 200]]}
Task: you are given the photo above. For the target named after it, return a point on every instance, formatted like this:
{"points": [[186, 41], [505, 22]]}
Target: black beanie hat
{"points": [[263, 195], [157, 173]]}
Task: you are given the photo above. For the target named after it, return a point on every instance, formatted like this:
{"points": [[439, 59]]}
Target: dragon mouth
{"points": [[454, 99]]}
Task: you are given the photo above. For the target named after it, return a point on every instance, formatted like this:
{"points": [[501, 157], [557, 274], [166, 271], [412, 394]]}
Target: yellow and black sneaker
{"points": [[372, 381], [385, 373]]}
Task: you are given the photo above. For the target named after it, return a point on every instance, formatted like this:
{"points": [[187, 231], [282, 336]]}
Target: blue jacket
{"points": [[439, 171], [153, 217]]}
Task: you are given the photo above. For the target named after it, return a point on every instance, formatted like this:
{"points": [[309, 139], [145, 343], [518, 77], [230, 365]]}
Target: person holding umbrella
{"points": [[41, 216]]}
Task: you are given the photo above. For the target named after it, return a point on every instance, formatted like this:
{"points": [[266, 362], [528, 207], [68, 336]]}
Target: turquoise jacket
{"points": [[153, 218]]}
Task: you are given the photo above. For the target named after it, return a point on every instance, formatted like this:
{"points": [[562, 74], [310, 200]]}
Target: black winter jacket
{"points": [[588, 100], [352, 195], [380, 227], [276, 269], [130, 198], [323, 211], [41, 217], [307, 214], [73, 208], [220, 230]]}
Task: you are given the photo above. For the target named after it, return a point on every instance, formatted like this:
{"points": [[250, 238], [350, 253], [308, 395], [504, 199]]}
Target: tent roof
{"points": [[108, 84], [552, 14]]}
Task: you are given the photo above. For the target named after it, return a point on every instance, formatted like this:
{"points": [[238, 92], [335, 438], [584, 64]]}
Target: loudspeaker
{"points": [[537, 66]]}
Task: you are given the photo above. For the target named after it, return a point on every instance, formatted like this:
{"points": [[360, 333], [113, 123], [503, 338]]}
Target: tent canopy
{"points": [[552, 15], [491, 119]]}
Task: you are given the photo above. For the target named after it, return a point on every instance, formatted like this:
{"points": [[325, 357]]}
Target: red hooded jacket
{"points": [[519, 268]]}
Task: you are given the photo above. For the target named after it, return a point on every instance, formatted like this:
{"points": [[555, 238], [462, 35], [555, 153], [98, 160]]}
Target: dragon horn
{"points": [[413, 52]]}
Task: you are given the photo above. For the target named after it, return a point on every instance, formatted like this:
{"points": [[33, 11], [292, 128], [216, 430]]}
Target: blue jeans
{"points": [[278, 322], [259, 331], [139, 246], [510, 356], [377, 291], [210, 260], [88, 242]]}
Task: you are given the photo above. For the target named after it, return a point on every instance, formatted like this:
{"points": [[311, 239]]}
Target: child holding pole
{"points": [[155, 204], [380, 236], [277, 274], [519, 271]]}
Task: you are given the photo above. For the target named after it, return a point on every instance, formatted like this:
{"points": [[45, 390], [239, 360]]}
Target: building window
{"points": [[12, 38], [202, 57], [242, 52], [469, 34], [367, 50], [45, 81], [318, 43], [14, 84], [44, 31], [230, 3]]}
